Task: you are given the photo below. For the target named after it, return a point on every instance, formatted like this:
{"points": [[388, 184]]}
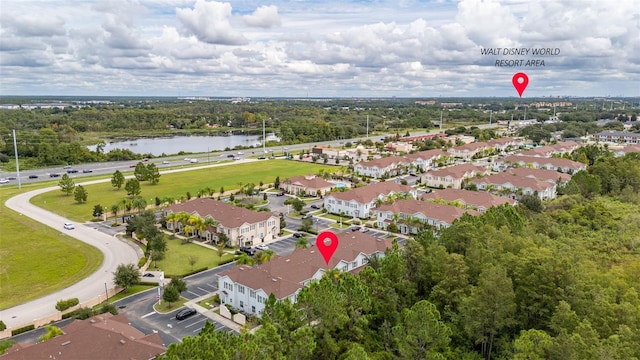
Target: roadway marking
{"points": [[149, 314], [212, 286], [206, 291], [192, 293], [197, 322]]}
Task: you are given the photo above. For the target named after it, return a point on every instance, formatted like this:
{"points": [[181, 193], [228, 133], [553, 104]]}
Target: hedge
{"points": [[141, 262], [63, 305], [187, 273], [81, 314], [22, 330], [226, 261]]}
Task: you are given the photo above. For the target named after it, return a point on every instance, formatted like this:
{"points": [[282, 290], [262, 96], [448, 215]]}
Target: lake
{"points": [[193, 144]]}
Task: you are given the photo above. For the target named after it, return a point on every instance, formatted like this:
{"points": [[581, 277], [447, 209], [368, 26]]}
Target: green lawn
{"points": [[176, 259], [177, 185], [165, 307], [36, 260]]}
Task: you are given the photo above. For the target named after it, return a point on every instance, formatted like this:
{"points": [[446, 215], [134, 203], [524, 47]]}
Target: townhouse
{"points": [[557, 164], [467, 199], [514, 186], [383, 167], [551, 176], [243, 227], [626, 150], [560, 148], [411, 215], [505, 144], [309, 185], [426, 159], [247, 288], [468, 151], [617, 137], [452, 176], [360, 201]]}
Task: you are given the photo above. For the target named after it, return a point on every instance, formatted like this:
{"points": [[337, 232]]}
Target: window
{"points": [[354, 264], [260, 299], [228, 286], [364, 261], [241, 289], [253, 309], [252, 294], [241, 304], [345, 268]]}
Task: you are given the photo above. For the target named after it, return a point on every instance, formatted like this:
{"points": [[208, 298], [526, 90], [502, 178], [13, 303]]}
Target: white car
{"points": [[4, 181], [69, 226], [262, 247], [165, 162], [240, 153]]}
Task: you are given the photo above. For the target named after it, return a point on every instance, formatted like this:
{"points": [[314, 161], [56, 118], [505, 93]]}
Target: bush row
{"points": [[22, 330], [63, 305]]}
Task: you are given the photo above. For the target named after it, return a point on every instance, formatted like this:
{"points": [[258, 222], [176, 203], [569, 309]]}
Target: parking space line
{"points": [[197, 322], [209, 285], [192, 293], [206, 291], [149, 314]]}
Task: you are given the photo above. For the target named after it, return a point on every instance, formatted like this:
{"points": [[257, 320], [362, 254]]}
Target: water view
{"points": [[194, 144]]}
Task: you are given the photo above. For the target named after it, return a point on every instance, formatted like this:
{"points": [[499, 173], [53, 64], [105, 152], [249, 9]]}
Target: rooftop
{"points": [[227, 215]]}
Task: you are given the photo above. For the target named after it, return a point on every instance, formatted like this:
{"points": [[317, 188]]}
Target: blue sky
{"points": [[406, 48]]}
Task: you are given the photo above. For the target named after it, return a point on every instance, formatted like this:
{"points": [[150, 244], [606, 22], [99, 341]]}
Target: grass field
{"points": [[36, 260], [176, 185], [167, 308], [176, 260]]}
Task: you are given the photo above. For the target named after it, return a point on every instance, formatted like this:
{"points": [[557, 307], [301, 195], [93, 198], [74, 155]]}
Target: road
{"points": [[115, 252]]}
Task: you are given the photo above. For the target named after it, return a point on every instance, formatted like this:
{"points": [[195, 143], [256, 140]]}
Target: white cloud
{"points": [[209, 22], [264, 17]]}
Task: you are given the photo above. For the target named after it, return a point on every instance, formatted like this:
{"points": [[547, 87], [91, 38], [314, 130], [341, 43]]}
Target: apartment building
{"points": [[360, 201], [411, 215]]}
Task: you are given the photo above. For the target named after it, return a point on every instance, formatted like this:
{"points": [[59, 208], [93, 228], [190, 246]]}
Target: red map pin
{"points": [[327, 243], [520, 81]]}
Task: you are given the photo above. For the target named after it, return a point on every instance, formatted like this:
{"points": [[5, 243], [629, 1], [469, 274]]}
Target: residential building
{"points": [[626, 150], [247, 288], [383, 167], [243, 227], [557, 164], [505, 143], [360, 201], [452, 176], [425, 159], [104, 336], [310, 185], [411, 215], [468, 151], [399, 147], [560, 148], [467, 199], [617, 137], [329, 152], [514, 186], [551, 176]]}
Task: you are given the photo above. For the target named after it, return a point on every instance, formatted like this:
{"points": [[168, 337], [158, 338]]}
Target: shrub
{"points": [[108, 308], [5, 344], [226, 261], [2, 326], [80, 314], [22, 330], [63, 305], [142, 261], [115, 224]]}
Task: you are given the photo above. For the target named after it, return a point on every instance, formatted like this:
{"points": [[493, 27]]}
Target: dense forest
{"points": [[560, 282]]}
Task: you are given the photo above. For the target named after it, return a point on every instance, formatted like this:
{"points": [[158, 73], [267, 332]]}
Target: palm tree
{"points": [[114, 209], [302, 243], [264, 256], [244, 259], [220, 252], [139, 203]]}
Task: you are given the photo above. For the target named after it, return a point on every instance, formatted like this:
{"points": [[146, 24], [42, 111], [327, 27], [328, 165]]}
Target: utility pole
{"points": [[367, 126], [15, 150]]}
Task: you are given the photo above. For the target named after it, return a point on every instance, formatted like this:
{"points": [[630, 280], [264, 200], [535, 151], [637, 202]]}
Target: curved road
{"points": [[115, 252]]}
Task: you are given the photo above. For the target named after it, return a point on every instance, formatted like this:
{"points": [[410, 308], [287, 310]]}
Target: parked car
{"points": [[86, 171], [262, 247], [33, 176], [148, 275], [281, 193], [307, 215], [355, 228], [364, 229], [69, 226], [248, 250], [185, 313], [314, 206], [297, 235]]}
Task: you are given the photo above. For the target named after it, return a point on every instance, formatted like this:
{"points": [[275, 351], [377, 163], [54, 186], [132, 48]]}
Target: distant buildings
{"points": [[411, 215], [467, 199], [103, 336], [247, 288], [309, 185], [557, 164], [452, 176], [514, 186], [617, 137], [242, 227]]}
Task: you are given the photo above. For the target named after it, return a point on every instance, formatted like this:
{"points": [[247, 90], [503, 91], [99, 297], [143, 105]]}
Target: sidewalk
{"points": [[211, 314]]}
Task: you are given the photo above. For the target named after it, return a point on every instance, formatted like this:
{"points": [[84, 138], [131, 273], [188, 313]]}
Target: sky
{"points": [[313, 48]]}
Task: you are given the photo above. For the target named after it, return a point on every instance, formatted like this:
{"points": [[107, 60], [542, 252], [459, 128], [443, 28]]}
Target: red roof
{"points": [[227, 215], [440, 212], [474, 198], [367, 194]]}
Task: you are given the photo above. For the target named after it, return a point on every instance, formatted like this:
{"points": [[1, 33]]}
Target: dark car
{"points": [[86, 171], [72, 171], [248, 250], [54, 175], [314, 206], [355, 228], [281, 193], [148, 275], [185, 313], [230, 156], [297, 235], [33, 176]]}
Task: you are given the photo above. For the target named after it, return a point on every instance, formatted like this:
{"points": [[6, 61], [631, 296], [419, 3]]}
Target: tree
{"points": [[178, 283], [421, 334], [66, 184], [156, 246], [132, 187], [117, 180], [307, 224], [98, 210], [170, 295], [153, 174], [283, 223], [52, 331], [140, 172], [249, 189], [296, 203], [302, 243], [531, 202], [126, 275], [244, 259], [139, 203], [80, 194], [264, 256], [220, 248], [192, 260], [276, 182]]}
